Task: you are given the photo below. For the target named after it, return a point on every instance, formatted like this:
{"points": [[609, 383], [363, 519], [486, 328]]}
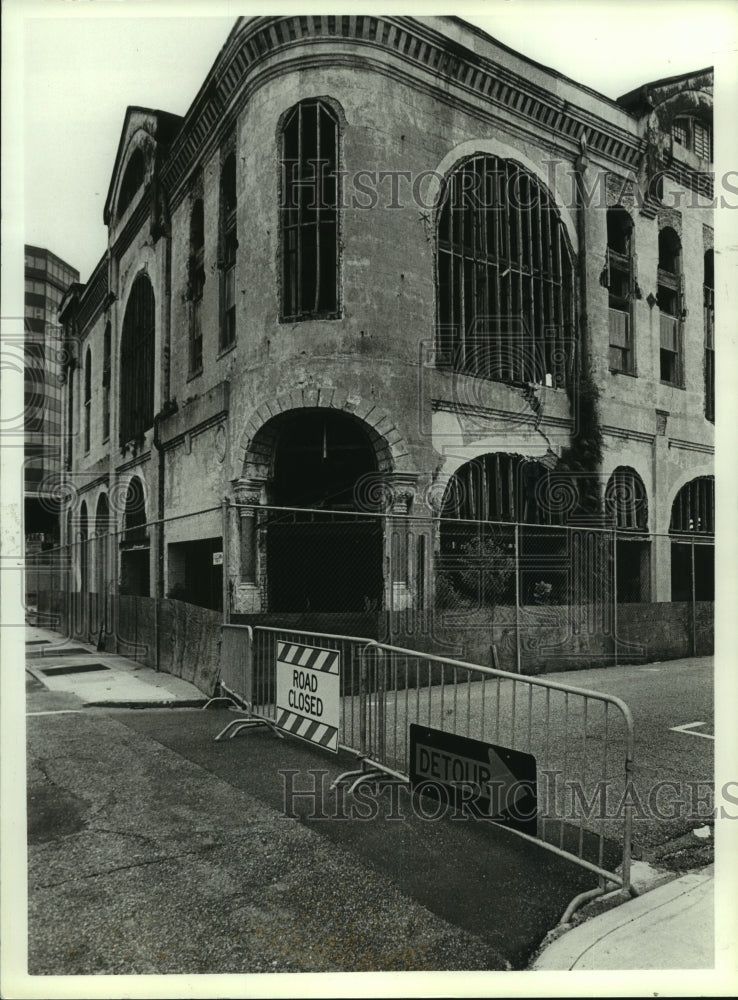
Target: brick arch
{"points": [[256, 445]]}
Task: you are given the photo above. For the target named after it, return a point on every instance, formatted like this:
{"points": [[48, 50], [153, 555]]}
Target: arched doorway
{"points": [[323, 553]]}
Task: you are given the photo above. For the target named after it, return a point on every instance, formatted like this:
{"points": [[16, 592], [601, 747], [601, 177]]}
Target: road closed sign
{"points": [[308, 693]]}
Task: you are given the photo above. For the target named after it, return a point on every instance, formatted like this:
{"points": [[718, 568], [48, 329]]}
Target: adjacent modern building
{"points": [[387, 271], [47, 278]]}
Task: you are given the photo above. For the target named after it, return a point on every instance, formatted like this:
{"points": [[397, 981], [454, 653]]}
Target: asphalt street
{"points": [[154, 849]]}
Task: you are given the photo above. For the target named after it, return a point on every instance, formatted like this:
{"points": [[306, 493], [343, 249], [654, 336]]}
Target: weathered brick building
{"points": [[387, 263]]}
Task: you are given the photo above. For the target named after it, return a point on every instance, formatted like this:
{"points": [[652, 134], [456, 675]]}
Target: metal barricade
{"points": [[351, 729], [582, 741]]}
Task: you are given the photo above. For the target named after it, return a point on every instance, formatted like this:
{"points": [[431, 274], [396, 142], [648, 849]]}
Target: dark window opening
{"points": [[670, 298], [134, 544], [106, 384], [134, 517], [196, 284], [693, 134], [229, 245], [477, 549], [102, 529], [134, 573], [692, 563], [633, 584], [709, 323], [88, 397], [309, 212], [621, 289], [195, 572], [505, 277], [626, 502], [693, 510], [84, 584], [137, 362], [133, 178]]}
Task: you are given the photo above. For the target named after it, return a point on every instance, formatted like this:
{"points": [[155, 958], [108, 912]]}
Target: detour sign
{"points": [[308, 693]]}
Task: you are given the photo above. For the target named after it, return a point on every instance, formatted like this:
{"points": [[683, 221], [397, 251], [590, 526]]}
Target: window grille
{"points": [[626, 501], [309, 212], [505, 277], [693, 510], [229, 244]]}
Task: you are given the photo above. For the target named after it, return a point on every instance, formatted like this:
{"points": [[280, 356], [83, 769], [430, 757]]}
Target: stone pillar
{"points": [[661, 547], [403, 491], [248, 496]]}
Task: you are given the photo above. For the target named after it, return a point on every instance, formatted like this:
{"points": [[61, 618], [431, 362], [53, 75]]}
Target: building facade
{"points": [[47, 278], [388, 266]]}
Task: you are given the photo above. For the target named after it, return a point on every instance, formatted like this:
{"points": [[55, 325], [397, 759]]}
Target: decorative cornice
{"points": [[132, 463], [510, 416], [628, 435], [705, 449], [475, 78]]}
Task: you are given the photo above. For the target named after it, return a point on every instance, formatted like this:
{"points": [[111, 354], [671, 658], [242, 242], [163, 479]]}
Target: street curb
{"points": [[171, 703]]}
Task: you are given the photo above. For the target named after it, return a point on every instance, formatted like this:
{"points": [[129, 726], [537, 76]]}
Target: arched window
{"points": [[106, 384], [137, 362], [693, 510], [133, 178], [88, 397], [692, 530], [83, 555], [670, 297], [626, 501], [505, 277], [709, 317], [196, 283], [626, 504], [481, 552], [229, 245], [621, 289], [134, 543], [309, 212], [102, 529]]}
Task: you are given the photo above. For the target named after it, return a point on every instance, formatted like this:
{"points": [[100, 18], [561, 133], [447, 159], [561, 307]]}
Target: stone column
{"points": [[661, 546], [248, 496], [403, 491]]}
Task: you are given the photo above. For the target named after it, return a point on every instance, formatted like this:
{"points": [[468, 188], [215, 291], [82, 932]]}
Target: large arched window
{"points": [[106, 384], [709, 318], [229, 245], [670, 297], [621, 289], [482, 552], [692, 531], [626, 505], [196, 284], [693, 510], [625, 500], [133, 178], [505, 277], [137, 362], [88, 398], [309, 212], [102, 534]]}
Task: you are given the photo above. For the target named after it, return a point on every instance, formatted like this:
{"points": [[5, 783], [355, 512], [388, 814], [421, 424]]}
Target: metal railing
{"points": [[582, 740]]}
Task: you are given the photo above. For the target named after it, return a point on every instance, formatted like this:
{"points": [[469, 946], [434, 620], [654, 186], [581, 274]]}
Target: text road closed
{"points": [[308, 693]]}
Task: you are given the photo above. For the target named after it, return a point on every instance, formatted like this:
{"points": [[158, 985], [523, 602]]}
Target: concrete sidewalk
{"points": [[670, 927], [102, 679]]}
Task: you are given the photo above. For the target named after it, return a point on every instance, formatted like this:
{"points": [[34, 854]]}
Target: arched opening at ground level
{"points": [[320, 551]]}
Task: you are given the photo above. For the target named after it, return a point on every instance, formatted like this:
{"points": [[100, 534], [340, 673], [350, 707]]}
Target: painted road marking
{"points": [[57, 711], [688, 728]]}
